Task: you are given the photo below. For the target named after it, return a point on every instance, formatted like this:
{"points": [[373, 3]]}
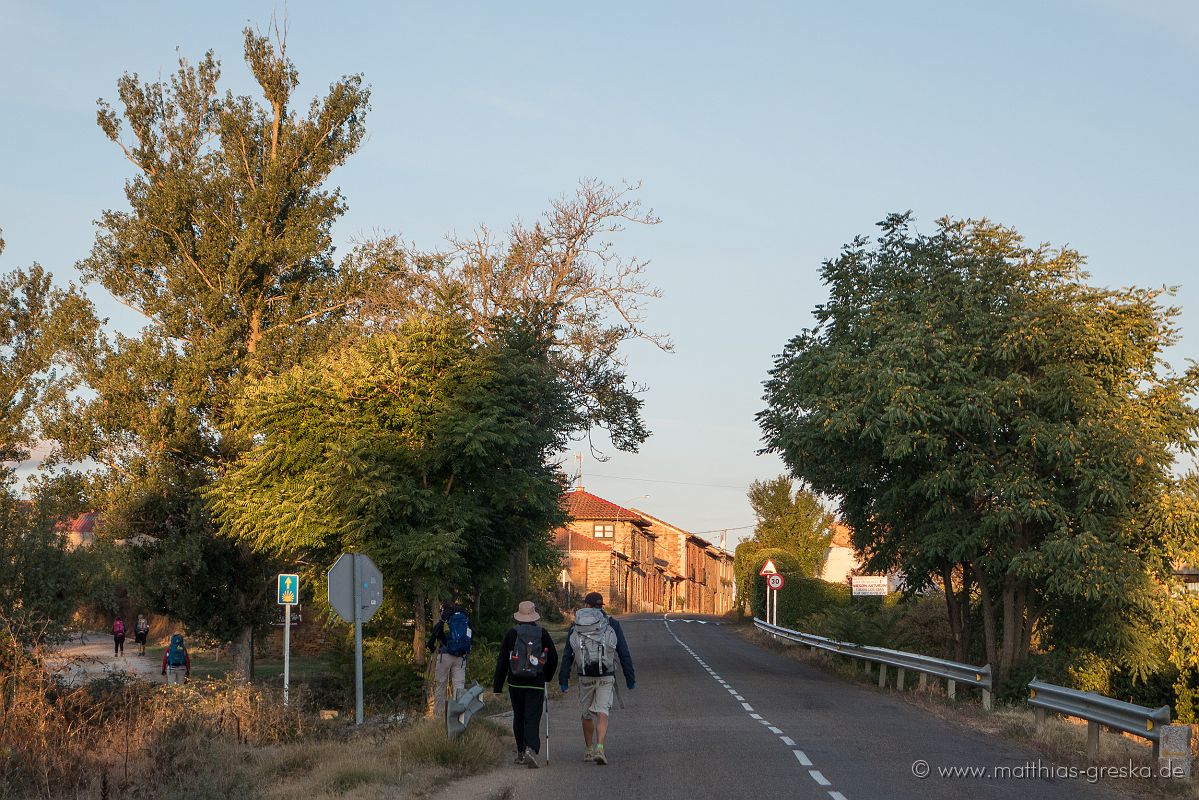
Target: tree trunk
{"points": [[988, 612], [418, 627], [518, 570], [957, 602], [241, 652]]}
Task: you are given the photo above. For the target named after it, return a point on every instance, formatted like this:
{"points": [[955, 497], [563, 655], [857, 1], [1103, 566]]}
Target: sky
{"points": [[765, 136]]}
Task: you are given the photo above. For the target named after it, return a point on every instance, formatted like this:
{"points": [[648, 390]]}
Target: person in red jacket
{"points": [[175, 659]]}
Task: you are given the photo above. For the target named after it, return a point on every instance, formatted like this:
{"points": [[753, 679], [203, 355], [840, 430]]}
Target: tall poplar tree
{"points": [[225, 251]]}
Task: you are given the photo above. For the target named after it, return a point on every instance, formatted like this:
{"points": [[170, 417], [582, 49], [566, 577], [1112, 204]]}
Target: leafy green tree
{"points": [[425, 448], [39, 326], [563, 272], [977, 407], [790, 521], [225, 250]]}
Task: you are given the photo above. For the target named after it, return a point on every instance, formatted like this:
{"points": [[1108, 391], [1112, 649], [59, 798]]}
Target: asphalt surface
{"points": [[715, 716]]}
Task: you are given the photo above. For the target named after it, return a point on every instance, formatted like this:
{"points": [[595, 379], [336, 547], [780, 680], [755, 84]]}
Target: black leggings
{"points": [[526, 717]]}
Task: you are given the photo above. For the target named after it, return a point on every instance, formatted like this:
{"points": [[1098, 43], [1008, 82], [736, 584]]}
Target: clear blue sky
{"points": [[766, 135]]}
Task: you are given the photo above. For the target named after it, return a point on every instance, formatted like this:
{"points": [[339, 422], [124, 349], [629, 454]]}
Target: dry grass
{"points": [[117, 738], [1063, 741]]}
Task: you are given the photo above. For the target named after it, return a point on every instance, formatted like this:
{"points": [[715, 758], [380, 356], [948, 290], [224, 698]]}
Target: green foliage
{"points": [[424, 448], [974, 404], [791, 520], [226, 250]]}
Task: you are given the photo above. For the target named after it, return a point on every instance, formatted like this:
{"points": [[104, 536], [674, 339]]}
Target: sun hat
{"points": [[526, 612]]}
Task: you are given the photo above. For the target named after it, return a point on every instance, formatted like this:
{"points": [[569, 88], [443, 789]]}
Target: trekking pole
{"points": [[547, 727]]}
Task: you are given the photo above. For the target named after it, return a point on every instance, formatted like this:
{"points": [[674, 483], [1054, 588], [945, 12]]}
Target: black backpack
{"points": [[527, 659]]}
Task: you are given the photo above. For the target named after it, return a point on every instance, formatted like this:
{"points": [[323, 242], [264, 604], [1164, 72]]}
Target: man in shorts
{"points": [[596, 691]]}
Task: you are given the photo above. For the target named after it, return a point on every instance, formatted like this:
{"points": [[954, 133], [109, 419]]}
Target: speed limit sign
{"points": [[774, 581]]}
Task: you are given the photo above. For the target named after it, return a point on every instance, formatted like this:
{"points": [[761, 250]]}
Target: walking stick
{"points": [[547, 728]]}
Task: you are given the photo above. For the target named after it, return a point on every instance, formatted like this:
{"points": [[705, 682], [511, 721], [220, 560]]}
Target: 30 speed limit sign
{"points": [[774, 581]]}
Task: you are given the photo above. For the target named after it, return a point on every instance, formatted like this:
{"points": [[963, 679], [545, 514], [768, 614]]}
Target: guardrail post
{"points": [[1093, 741], [1039, 714], [986, 700], [899, 680], [882, 675], [923, 684], [951, 689]]}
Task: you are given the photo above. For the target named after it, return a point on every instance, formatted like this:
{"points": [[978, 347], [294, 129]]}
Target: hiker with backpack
{"points": [[526, 661], [175, 659], [141, 631], [594, 644], [452, 636], [118, 637]]}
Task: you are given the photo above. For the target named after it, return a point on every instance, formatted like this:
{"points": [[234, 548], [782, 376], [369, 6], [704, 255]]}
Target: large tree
{"points": [[992, 423], [225, 251], [563, 272], [424, 447], [40, 325]]}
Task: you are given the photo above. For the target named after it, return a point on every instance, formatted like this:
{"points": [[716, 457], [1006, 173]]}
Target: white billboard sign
{"points": [[870, 585]]}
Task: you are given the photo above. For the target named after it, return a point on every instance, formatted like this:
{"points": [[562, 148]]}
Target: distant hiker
{"points": [[452, 637], [593, 645], [118, 637], [141, 631], [176, 660], [527, 660]]}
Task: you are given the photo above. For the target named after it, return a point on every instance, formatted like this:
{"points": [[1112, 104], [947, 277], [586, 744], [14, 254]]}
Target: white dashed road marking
{"points": [[800, 755]]}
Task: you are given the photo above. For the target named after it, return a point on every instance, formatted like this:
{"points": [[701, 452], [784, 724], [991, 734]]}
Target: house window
{"points": [[605, 531]]}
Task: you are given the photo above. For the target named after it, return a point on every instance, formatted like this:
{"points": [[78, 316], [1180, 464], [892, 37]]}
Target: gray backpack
{"points": [[594, 643]]}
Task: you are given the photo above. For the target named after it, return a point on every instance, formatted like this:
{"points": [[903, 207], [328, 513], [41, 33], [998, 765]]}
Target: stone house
{"points": [[705, 572], [600, 532], [639, 562]]}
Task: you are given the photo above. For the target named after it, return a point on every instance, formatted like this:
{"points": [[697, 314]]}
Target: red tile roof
{"points": [[567, 540], [581, 504], [842, 535]]}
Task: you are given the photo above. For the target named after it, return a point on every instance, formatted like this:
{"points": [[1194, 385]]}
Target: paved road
{"points": [[715, 716]]}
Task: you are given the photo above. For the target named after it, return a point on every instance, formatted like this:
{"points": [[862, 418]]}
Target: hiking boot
{"points": [[531, 761], [589, 754], [600, 757], [520, 757]]}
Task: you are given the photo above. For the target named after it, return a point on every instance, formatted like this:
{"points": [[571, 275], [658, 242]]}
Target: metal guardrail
{"points": [[953, 672], [1098, 710]]}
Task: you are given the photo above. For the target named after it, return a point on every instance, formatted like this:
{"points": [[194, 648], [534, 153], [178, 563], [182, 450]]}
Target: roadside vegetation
{"points": [[1003, 435]]}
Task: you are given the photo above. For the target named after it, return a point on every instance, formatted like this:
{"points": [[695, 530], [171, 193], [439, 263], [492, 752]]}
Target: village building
{"points": [[639, 562]]}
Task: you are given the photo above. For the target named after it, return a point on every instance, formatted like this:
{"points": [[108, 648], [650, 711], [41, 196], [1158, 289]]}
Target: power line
{"points": [[676, 483], [722, 530]]}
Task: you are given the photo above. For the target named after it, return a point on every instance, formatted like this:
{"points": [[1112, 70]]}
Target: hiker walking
{"points": [[527, 660], [452, 636], [176, 660], [141, 630], [118, 637], [593, 645]]}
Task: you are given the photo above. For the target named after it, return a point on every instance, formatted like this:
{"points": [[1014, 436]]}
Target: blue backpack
{"points": [[457, 634], [176, 656]]}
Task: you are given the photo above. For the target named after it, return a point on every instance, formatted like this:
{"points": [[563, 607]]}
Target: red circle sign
{"points": [[774, 581]]}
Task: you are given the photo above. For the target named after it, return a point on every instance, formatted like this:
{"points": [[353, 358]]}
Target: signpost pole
{"points": [[357, 641], [776, 607], [286, 650]]}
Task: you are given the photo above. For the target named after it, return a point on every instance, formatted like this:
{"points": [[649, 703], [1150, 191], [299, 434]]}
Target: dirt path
{"points": [[79, 662]]}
